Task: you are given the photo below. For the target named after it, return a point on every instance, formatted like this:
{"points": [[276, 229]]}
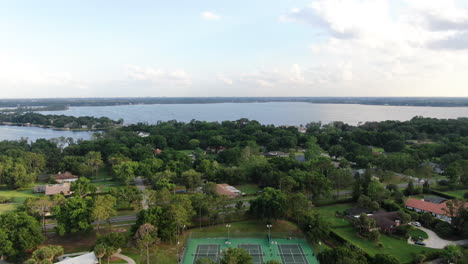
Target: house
{"points": [[88, 258], [228, 190], [51, 189], [65, 177], [386, 221], [276, 154], [62, 188], [438, 210], [357, 211]]}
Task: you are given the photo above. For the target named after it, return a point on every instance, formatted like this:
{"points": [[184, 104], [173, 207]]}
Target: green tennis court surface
{"points": [[286, 251], [255, 251], [207, 251], [292, 254]]}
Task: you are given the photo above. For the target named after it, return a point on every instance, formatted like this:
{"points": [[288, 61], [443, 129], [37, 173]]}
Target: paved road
{"points": [[141, 186], [117, 219], [434, 241]]}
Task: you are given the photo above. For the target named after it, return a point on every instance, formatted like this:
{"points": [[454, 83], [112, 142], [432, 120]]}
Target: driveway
{"points": [[434, 241]]}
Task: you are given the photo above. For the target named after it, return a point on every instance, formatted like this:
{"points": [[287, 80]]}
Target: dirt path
{"points": [[434, 241]]}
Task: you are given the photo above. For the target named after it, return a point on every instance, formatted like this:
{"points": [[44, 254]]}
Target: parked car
{"points": [[416, 224], [420, 243]]}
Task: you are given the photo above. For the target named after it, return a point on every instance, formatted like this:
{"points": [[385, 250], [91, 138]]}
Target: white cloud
{"points": [[155, 75], [207, 15], [423, 46], [225, 79]]}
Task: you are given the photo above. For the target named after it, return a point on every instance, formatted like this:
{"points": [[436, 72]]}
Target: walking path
{"points": [[123, 257], [434, 241]]}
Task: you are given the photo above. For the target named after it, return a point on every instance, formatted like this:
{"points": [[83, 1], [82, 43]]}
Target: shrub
{"points": [[403, 231], [374, 235], [443, 229], [4, 200], [443, 183], [115, 240]]}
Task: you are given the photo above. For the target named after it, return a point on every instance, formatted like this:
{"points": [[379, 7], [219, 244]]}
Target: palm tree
{"points": [[100, 251]]}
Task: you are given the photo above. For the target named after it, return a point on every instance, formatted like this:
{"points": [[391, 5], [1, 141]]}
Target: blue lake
{"points": [[265, 113]]}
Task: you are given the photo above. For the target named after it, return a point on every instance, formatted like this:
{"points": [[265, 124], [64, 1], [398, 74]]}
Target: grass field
{"points": [[415, 232], [18, 197], [103, 180], [457, 193], [248, 189], [390, 245]]}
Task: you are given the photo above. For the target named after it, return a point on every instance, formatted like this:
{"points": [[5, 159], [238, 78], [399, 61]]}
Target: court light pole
{"points": [[228, 227], [177, 249], [269, 231]]}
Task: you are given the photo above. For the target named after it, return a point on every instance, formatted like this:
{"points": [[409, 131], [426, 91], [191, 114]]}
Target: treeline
{"points": [[413, 147], [397, 101], [58, 121]]}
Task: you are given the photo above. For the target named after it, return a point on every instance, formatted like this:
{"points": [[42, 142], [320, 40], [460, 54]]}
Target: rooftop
{"points": [[65, 175]]}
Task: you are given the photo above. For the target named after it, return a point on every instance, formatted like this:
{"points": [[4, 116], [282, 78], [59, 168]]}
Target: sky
{"points": [[139, 48]]}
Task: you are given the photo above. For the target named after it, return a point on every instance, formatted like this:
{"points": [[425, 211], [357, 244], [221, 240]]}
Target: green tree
{"points": [[191, 179], [82, 187], [236, 256], [47, 254], [451, 254], [94, 159], [73, 216], [20, 233], [342, 255], [103, 209], [41, 206], [100, 251], [125, 171], [315, 227], [270, 205], [385, 259], [145, 237]]}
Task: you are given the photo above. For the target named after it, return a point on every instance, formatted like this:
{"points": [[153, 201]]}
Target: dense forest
{"points": [[195, 156]]}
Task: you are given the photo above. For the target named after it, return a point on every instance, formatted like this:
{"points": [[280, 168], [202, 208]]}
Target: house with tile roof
{"points": [[228, 190], [438, 210], [65, 177]]}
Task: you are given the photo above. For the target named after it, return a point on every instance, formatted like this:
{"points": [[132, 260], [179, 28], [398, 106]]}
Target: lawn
{"points": [[457, 193], [248, 189], [18, 197], [415, 232], [103, 181], [390, 245]]}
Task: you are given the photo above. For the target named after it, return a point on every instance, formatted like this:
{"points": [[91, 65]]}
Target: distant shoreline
{"points": [[64, 103], [51, 127]]}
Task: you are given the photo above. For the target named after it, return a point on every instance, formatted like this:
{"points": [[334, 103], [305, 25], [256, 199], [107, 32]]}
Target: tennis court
{"points": [[285, 250], [255, 251], [292, 254], [207, 251]]}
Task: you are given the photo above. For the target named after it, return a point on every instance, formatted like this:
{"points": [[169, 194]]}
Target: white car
{"points": [[416, 224]]}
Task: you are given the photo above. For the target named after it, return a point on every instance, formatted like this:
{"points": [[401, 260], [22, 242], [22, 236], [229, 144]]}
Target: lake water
{"points": [[265, 113], [33, 133]]}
